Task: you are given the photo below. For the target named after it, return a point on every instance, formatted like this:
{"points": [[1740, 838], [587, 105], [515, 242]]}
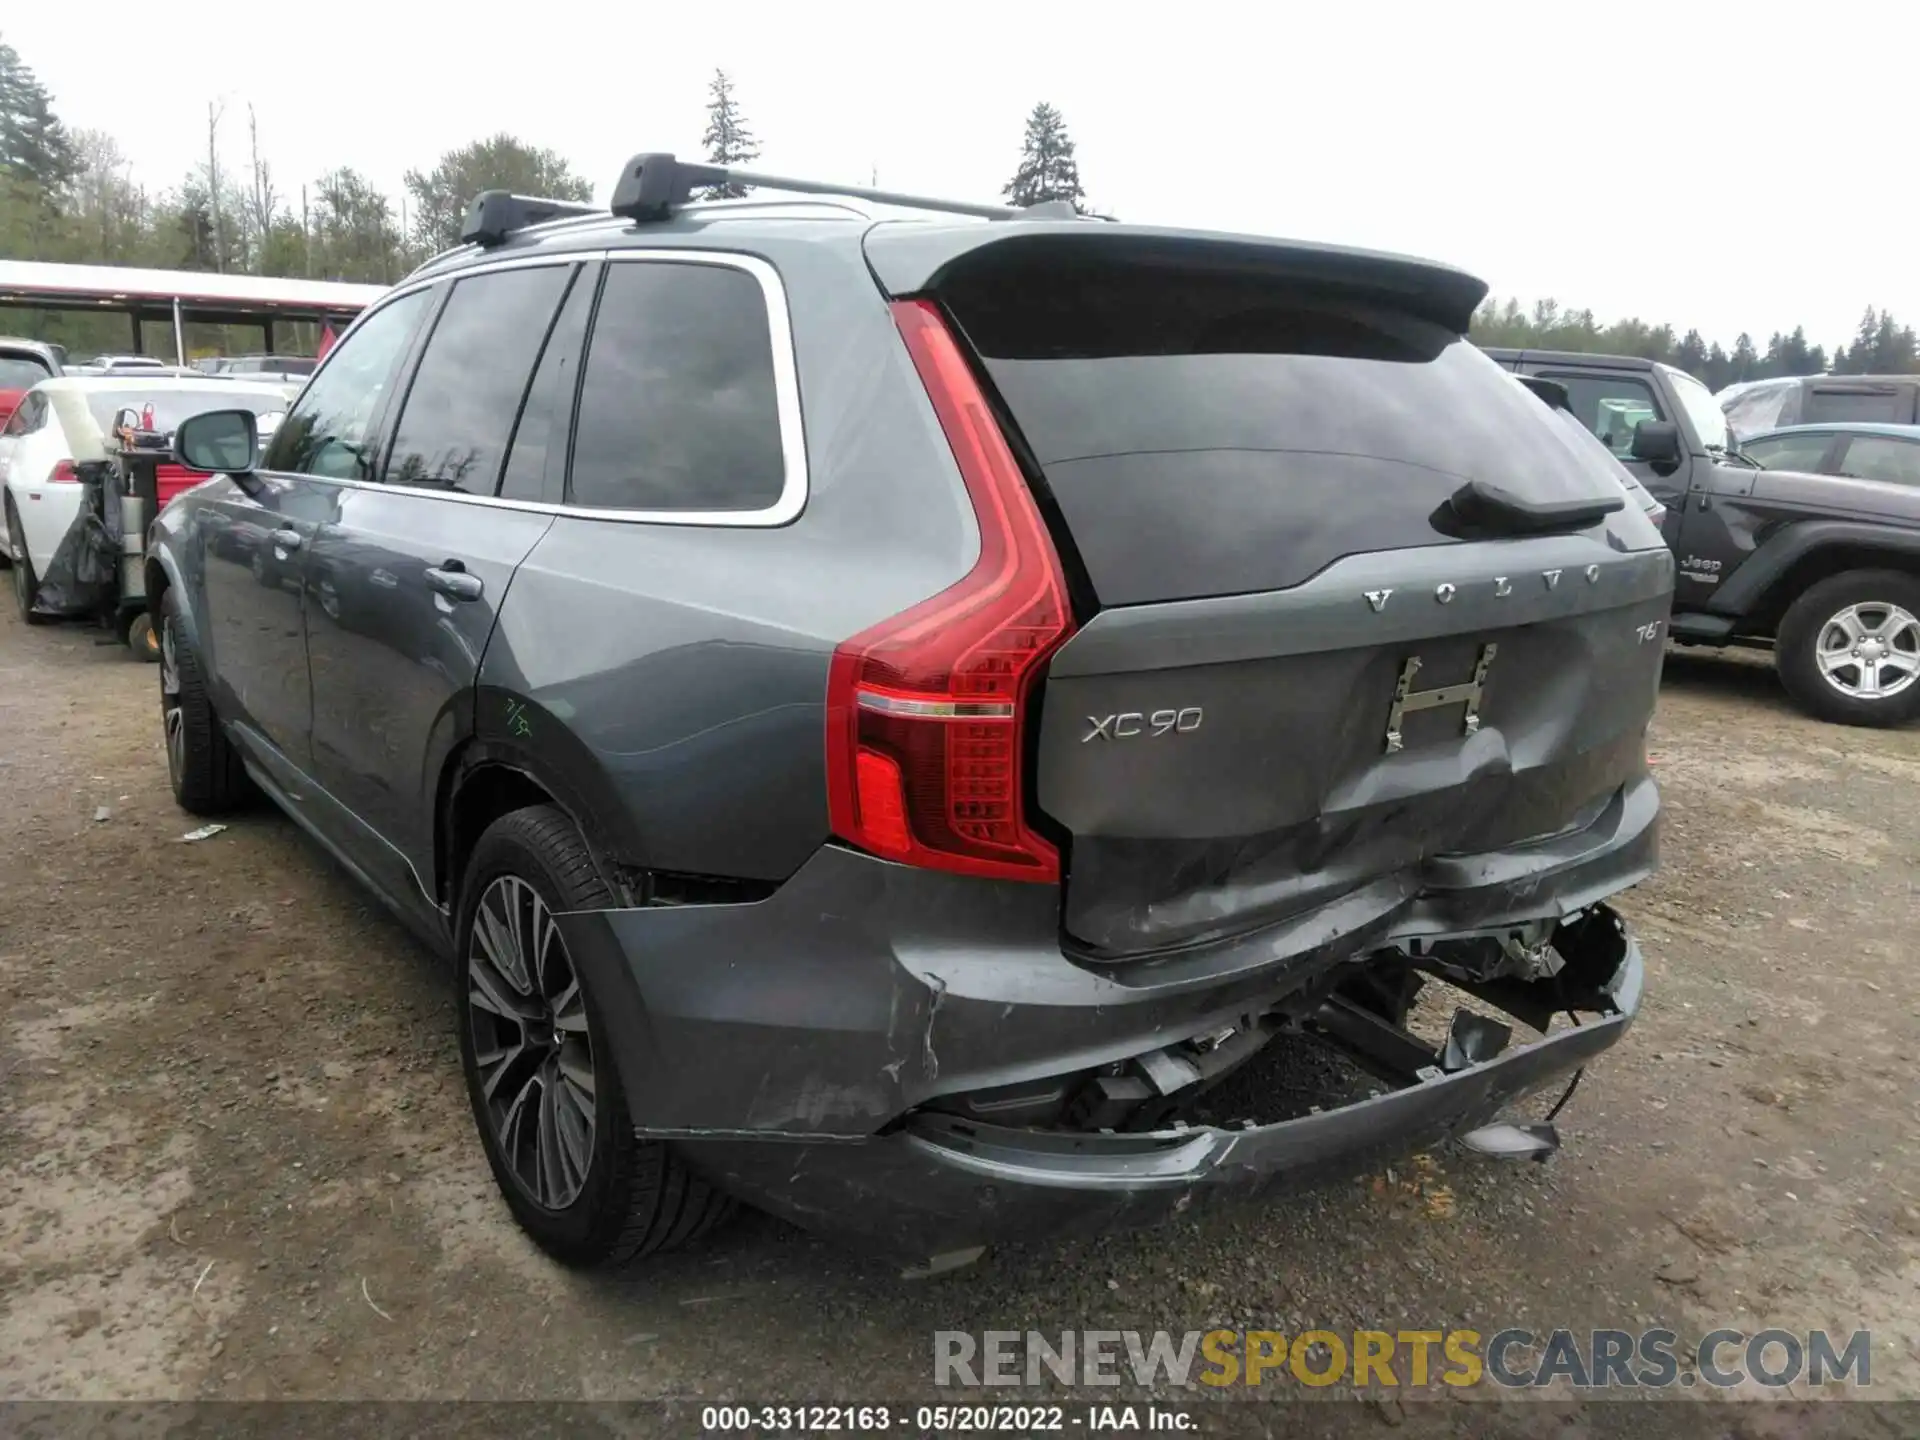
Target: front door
{"points": [[262, 528], [406, 577]]}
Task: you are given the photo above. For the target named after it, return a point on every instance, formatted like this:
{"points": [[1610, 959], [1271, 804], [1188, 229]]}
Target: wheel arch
{"points": [[1760, 592], [162, 573], [488, 777]]}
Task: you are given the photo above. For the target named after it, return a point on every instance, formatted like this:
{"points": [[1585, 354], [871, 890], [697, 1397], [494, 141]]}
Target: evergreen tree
{"points": [[1691, 355], [34, 145], [1893, 347], [729, 139], [1719, 369], [1745, 362], [1860, 354], [1047, 170], [1774, 362]]}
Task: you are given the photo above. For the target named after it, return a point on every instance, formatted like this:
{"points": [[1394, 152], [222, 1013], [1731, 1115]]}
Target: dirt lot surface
{"points": [[236, 1158]]}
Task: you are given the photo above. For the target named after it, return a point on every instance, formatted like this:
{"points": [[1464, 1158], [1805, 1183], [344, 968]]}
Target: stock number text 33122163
{"points": [[910, 1419]]}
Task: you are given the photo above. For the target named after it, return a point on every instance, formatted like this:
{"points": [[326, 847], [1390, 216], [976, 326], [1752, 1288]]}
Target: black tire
{"points": [[25, 582], [634, 1197], [141, 638], [1833, 691], [203, 767]]}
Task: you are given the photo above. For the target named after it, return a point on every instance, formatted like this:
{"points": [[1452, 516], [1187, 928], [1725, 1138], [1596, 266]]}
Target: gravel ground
{"points": [[237, 1161]]}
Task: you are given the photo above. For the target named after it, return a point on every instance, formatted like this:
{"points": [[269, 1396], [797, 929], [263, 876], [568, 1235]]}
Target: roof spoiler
{"points": [[918, 259]]}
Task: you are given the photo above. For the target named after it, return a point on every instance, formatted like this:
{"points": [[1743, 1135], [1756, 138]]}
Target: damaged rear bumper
{"points": [[942, 1184], [835, 1052]]}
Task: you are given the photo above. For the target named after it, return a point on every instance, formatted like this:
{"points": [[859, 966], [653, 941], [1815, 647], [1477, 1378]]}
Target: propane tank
{"points": [[133, 547]]}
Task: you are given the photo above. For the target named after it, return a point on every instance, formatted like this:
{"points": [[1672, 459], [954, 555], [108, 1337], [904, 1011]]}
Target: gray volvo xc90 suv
{"points": [[900, 717]]}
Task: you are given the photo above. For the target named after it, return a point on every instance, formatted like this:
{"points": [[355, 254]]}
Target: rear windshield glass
{"points": [[1880, 407], [1100, 365], [170, 407], [21, 372], [1210, 431]]}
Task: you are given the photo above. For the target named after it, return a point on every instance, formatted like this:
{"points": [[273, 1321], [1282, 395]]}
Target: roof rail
{"points": [[495, 214]]}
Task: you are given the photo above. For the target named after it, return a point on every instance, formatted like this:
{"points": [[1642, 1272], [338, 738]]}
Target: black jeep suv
{"points": [[1823, 568], [884, 715]]}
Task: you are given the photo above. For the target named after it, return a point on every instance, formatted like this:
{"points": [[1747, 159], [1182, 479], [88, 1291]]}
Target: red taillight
{"points": [[926, 711], [64, 472]]}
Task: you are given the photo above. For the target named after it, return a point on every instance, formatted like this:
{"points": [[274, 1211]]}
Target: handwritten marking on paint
{"points": [[517, 724]]}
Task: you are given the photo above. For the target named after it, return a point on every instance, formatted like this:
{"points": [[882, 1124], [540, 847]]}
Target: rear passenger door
{"points": [[407, 575]]}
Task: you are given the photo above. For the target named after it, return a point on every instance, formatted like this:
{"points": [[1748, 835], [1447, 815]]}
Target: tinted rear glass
{"points": [[1888, 407], [1213, 433], [678, 408], [172, 406]]}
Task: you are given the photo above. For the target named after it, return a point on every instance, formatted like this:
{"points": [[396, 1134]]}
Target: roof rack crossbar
{"points": [[652, 185], [495, 214]]}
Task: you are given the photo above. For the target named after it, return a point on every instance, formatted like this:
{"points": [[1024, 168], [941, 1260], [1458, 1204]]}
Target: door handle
{"points": [[453, 581], [286, 539]]}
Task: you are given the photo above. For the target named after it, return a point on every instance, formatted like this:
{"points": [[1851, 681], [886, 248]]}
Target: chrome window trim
{"points": [[786, 389]]}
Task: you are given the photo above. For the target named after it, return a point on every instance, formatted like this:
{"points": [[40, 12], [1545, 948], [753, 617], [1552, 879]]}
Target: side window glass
{"points": [[327, 432], [1611, 406], [460, 410], [678, 406], [539, 441], [1876, 457], [1789, 452]]}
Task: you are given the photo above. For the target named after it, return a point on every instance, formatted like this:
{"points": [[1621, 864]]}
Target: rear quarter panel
{"points": [[670, 680], [46, 508]]}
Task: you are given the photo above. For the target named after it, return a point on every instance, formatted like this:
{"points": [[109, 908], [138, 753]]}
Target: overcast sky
{"points": [[1635, 158]]}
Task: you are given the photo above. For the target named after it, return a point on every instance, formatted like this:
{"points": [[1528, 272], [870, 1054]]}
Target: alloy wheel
{"points": [[171, 714], [1869, 651], [531, 1045]]}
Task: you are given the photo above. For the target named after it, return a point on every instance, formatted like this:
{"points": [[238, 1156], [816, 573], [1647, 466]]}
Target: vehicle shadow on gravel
{"points": [[1745, 675]]}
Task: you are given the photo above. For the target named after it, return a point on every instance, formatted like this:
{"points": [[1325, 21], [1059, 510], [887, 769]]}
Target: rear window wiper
{"points": [[1492, 510]]}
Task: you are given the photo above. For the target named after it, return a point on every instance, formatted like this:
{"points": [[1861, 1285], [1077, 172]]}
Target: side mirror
{"points": [[1657, 442], [223, 441]]}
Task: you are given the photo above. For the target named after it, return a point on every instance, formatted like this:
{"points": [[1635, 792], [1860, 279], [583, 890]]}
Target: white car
{"points": [[61, 425]]}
